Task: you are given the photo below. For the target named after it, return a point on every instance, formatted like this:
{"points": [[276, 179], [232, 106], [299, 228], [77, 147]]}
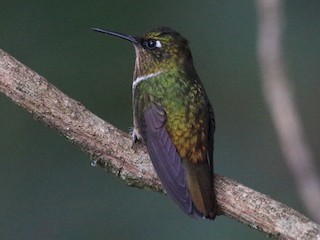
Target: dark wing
{"points": [[212, 127], [210, 158], [165, 158]]}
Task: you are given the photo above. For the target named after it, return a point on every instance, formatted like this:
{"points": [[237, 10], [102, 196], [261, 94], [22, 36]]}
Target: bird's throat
{"points": [[139, 79]]}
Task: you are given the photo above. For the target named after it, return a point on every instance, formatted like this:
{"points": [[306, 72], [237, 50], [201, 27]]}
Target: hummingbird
{"points": [[173, 117]]}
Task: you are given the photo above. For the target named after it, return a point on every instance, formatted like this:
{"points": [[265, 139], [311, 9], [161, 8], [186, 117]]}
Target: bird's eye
{"points": [[152, 44]]}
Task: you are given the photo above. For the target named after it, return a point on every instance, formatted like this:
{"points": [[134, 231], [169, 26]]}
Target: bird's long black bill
{"points": [[116, 34]]}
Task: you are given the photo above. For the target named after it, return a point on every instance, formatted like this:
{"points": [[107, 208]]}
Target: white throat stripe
{"points": [[142, 78]]}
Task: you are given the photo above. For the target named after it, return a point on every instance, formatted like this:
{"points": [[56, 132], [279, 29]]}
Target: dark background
{"points": [[48, 188]]}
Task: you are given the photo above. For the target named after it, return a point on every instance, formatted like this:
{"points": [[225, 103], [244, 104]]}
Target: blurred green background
{"points": [[48, 188]]}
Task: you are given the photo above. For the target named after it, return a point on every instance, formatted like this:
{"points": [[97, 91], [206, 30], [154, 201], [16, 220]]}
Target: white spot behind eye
{"points": [[158, 44]]}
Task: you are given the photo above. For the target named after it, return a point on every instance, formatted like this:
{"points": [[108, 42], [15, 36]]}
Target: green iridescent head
{"points": [[160, 49]]}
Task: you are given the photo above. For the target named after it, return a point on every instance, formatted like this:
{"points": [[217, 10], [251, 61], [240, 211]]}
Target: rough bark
{"points": [[112, 150]]}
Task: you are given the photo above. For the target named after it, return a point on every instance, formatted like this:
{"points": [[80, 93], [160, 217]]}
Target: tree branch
{"points": [[112, 150], [279, 98]]}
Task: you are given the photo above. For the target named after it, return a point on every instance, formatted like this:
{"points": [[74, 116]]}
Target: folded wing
{"points": [[165, 159]]}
